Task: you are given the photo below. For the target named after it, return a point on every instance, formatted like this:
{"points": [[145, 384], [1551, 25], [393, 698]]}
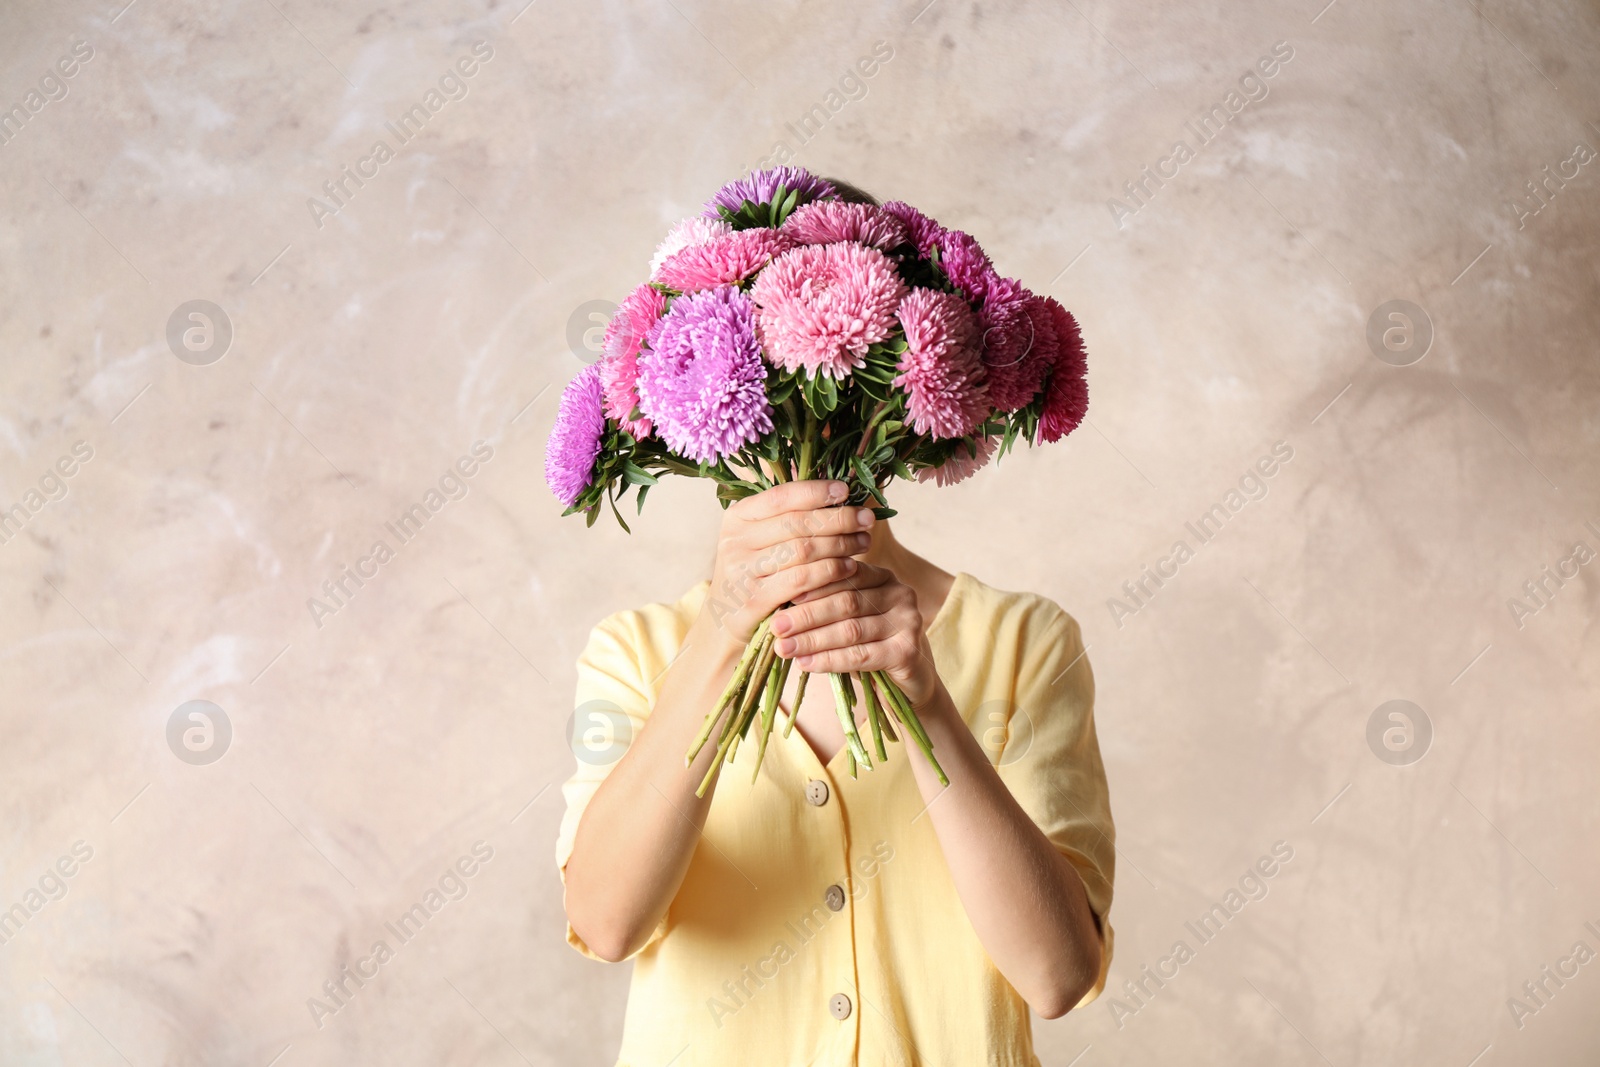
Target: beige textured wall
{"points": [[1226, 314]]}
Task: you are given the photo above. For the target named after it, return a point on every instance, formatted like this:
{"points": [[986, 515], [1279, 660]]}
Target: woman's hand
{"points": [[868, 621], [777, 546]]}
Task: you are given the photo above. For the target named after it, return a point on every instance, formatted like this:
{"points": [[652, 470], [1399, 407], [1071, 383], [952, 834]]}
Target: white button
{"points": [[839, 1006], [817, 792]]}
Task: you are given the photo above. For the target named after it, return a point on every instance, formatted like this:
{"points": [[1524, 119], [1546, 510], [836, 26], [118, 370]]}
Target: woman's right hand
{"points": [[778, 544]]}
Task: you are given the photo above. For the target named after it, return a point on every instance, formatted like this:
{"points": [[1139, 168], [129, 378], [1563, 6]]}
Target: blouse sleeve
{"points": [[613, 700], [1051, 761]]}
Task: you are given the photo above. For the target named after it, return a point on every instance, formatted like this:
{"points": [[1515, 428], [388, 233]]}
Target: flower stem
{"points": [[908, 715], [730, 694], [874, 716], [844, 703]]}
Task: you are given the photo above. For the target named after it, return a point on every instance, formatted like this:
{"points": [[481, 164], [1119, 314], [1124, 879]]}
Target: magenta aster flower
{"points": [[1066, 398], [961, 465], [822, 306], [725, 260], [694, 230], [965, 264], [574, 442], [1019, 342], [924, 231], [940, 370], [759, 187], [619, 370], [701, 377], [827, 221]]}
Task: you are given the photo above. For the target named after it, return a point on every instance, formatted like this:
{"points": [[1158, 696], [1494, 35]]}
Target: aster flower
{"points": [[694, 230], [966, 264], [701, 377], [1019, 342], [827, 221], [923, 230], [724, 260], [961, 465], [940, 370], [619, 370], [1066, 398], [822, 306], [760, 186], [574, 442]]}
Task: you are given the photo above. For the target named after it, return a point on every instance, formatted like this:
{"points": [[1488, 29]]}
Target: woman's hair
{"points": [[852, 194]]}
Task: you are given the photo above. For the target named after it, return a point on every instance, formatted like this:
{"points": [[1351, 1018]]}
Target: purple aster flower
{"points": [[574, 442], [965, 263], [925, 232], [759, 187], [701, 377]]}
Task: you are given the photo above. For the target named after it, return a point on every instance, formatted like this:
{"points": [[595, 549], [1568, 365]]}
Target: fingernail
{"points": [[866, 518], [849, 565], [781, 624], [787, 646], [837, 491], [864, 540]]}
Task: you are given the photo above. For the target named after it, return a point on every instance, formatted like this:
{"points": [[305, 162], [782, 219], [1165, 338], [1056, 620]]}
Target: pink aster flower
{"points": [[822, 306], [923, 230], [940, 370], [961, 465], [1019, 342], [966, 264], [760, 187], [619, 370], [725, 260], [574, 442], [1066, 398], [827, 221], [694, 230], [701, 377]]}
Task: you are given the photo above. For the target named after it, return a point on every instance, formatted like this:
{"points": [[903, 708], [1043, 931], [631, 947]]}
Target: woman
{"points": [[808, 917]]}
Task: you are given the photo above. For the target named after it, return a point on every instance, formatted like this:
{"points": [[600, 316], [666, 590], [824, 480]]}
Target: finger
{"points": [[819, 522], [796, 581], [818, 611], [873, 656], [866, 577], [803, 550], [791, 496], [860, 630]]}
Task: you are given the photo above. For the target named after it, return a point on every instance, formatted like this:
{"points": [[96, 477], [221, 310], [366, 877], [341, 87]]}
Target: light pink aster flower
{"points": [[961, 465], [824, 222], [822, 306], [694, 230], [941, 371], [619, 369], [725, 260]]}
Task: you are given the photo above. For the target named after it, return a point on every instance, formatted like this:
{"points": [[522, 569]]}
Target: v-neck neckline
{"points": [[816, 758]]}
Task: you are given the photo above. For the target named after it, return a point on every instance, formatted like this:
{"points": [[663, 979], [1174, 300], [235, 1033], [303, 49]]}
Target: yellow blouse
{"points": [[818, 923]]}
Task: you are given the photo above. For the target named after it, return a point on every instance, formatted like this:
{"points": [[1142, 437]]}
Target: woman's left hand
{"points": [[867, 622]]}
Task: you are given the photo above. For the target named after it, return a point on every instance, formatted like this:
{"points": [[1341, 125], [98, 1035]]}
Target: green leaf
{"points": [[620, 521], [885, 513], [634, 474], [643, 489]]}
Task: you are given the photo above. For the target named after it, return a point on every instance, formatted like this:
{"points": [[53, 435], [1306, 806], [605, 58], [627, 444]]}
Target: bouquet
{"points": [[791, 331]]}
